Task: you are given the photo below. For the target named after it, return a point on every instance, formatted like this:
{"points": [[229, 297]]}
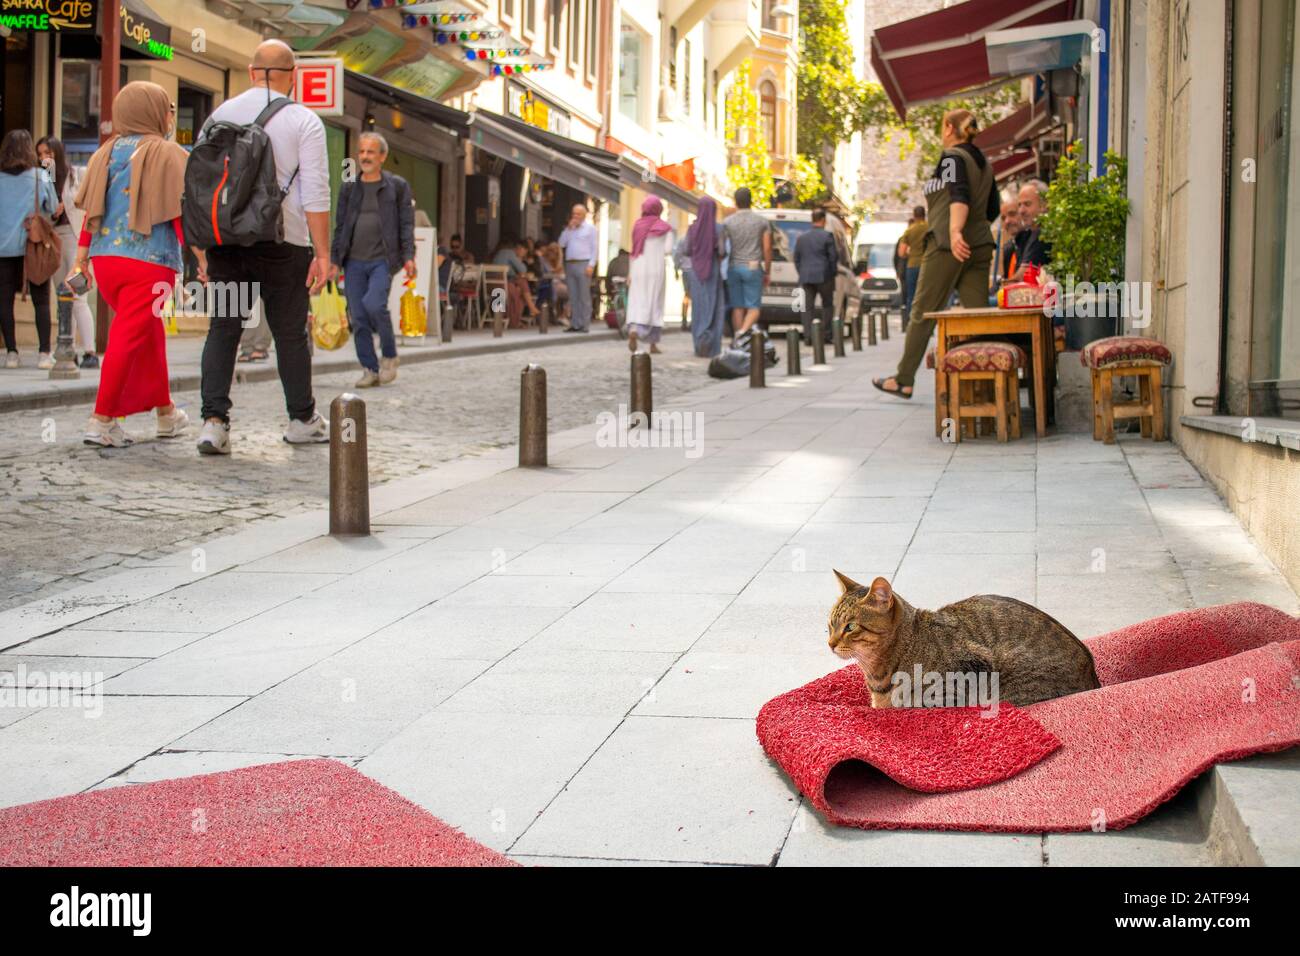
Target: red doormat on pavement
{"points": [[294, 813], [1179, 694]]}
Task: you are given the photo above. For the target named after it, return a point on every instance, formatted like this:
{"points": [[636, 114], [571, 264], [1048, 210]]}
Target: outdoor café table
{"points": [[957, 324]]}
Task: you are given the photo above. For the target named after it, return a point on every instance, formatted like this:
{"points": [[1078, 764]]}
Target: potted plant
{"points": [[1084, 225]]}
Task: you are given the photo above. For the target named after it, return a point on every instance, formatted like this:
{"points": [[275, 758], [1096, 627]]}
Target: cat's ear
{"points": [[882, 595], [846, 582]]}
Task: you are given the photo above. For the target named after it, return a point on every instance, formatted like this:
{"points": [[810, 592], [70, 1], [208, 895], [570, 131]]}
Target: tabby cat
{"points": [[1023, 653]]}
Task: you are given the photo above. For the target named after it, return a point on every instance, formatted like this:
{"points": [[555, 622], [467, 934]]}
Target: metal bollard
{"points": [[884, 324], [757, 358], [819, 346], [544, 318], [498, 324], [871, 328], [837, 336], [349, 474], [792, 357], [642, 390], [532, 417], [65, 357], [855, 330]]}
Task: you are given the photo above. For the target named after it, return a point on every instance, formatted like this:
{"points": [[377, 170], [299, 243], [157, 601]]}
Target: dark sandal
{"points": [[898, 392]]}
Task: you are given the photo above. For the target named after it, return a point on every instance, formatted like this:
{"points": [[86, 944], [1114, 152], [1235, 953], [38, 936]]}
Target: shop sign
{"points": [[523, 104], [320, 85], [146, 35], [60, 16]]}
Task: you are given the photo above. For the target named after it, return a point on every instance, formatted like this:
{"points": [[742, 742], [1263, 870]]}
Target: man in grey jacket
{"points": [[374, 238], [816, 259]]}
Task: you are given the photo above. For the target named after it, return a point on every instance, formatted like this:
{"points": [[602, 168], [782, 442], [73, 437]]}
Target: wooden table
{"points": [[957, 324]]}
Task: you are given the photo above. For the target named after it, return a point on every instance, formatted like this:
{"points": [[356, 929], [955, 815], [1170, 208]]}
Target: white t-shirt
{"points": [[298, 140]]}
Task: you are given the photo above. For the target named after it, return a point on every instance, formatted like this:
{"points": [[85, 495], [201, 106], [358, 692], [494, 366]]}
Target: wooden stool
{"points": [[1127, 356], [996, 362]]}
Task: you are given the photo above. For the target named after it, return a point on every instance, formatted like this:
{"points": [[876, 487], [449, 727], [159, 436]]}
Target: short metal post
{"points": [[65, 357], [884, 324], [544, 318], [642, 391], [837, 336], [819, 346], [498, 323], [349, 475], [532, 417], [792, 357], [855, 330], [757, 358], [871, 328]]}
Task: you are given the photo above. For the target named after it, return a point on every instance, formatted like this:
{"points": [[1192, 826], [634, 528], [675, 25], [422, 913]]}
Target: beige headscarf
{"points": [[157, 165]]}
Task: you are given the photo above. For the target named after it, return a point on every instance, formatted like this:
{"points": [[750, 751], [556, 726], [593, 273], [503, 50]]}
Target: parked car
{"points": [[778, 297], [873, 262]]}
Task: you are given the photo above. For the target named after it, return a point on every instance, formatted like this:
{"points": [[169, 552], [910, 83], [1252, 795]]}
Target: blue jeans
{"points": [[366, 283], [910, 275]]}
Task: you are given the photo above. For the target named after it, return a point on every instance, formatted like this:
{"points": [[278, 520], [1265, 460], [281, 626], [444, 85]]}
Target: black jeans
{"points": [[278, 273], [11, 280], [826, 290]]}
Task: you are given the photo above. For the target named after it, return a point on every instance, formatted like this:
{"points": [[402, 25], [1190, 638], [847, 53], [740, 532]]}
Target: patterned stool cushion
{"points": [[1125, 349], [984, 357]]}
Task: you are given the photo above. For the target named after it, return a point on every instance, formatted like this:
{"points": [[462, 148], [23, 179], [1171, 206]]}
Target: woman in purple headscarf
{"points": [[647, 276], [698, 259]]}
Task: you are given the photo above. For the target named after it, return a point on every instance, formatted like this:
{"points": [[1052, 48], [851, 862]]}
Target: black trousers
{"points": [[277, 272], [811, 292], [11, 280]]}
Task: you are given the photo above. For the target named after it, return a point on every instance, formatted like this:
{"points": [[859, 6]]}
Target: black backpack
{"points": [[232, 197]]}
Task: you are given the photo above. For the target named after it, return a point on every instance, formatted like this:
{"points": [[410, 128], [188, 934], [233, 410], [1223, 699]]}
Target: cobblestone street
{"points": [[73, 513]]}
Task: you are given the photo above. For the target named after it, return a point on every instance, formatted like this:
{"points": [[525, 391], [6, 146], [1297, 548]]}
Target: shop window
{"points": [[193, 106], [16, 94], [767, 113], [631, 58], [1275, 326]]}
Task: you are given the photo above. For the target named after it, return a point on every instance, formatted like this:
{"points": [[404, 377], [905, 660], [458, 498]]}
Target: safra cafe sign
{"points": [[145, 34], [44, 16]]}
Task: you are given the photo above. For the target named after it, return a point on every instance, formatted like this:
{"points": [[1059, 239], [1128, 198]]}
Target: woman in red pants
{"points": [[131, 195]]}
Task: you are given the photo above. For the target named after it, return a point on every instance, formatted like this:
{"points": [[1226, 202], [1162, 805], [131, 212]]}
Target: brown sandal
{"points": [[897, 392]]}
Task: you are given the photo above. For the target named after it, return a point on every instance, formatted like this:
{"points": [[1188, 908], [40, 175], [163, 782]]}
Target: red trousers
{"points": [[133, 376]]}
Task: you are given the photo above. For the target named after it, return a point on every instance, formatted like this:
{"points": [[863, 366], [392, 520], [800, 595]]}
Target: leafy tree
{"points": [[751, 165], [831, 97], [1085, 218]]}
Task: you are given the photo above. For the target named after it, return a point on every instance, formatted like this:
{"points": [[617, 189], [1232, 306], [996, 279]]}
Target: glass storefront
{"points": [[1275, 327], [16, 68]]}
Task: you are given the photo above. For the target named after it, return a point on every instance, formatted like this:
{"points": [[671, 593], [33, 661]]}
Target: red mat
{"points": [[296, 813], [1179, 694]]}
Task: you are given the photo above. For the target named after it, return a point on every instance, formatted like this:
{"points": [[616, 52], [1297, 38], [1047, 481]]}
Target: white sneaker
{"points": [[106, 434], [171, 426], [368, 379], [313, 432], [11, 360], [387, 370], [214, 437], [45, 361]]}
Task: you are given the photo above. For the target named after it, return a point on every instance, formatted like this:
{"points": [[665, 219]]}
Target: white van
{"points": [[778, 297], [873, 262]]}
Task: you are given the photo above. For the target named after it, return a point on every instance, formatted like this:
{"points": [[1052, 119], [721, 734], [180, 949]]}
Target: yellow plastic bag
{"points": [[169, 316], [414, 319], [329, 318]]}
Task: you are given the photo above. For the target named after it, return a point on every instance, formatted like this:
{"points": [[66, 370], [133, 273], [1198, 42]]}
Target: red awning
{"points": [[1023, 126], [929, 57], [1010, 164]]}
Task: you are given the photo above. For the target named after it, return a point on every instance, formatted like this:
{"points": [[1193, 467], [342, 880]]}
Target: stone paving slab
{"points": [[566, 663]]}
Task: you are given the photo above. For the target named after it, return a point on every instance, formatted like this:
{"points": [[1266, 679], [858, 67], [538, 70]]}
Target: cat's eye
{"points": [[850, 627]]}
